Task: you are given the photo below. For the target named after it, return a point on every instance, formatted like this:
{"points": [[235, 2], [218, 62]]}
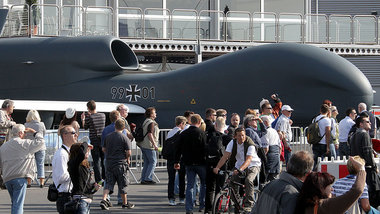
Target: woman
{"points": [[70, 118], [149, 146], [315, 194], [81, 177], [33, 121]]}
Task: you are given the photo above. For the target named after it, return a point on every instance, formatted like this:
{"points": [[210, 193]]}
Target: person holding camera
{"points": [[242, 153], [84, 185]]}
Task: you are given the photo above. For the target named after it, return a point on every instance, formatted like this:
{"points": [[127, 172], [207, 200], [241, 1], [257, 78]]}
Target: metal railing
{"points": [[181, 24]]}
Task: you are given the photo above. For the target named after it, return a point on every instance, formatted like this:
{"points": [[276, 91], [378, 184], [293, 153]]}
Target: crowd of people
{"points": [[196, 150]]}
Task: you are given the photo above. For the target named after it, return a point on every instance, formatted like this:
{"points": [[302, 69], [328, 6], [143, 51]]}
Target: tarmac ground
{"points": [[147, 198]]}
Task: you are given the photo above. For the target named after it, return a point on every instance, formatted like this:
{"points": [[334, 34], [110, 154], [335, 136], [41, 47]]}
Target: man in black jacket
{"points": [[360, 144], [191, 146]]}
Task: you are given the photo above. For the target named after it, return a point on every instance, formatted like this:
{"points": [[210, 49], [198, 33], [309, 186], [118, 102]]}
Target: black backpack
{"points": [[170, 146], [138, 134], [313, 135], [214, 147]]}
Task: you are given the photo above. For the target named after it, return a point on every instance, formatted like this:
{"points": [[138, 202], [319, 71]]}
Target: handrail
{"points": [[221, 24]]}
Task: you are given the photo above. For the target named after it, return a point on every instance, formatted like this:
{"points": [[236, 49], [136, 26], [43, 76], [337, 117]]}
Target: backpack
{"points": [[170, 146], [312, 133], [214, 147], [138, 134]]}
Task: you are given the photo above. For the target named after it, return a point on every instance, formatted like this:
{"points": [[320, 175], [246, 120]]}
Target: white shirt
{"points": [[60, 173], [271, 138], [255, 161], [283, 125], [344, 128], [172, 132], [323, 123]]}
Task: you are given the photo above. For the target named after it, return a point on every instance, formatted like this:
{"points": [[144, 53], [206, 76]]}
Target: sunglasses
{"points": [[72, 133]]}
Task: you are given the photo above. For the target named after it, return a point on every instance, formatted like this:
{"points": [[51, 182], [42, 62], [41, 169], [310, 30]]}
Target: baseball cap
{"points": [[263, 101], [70, 112], [286, 108]]}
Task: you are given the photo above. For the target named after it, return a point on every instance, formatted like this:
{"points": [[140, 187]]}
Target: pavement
{"points": [[147, 198]]}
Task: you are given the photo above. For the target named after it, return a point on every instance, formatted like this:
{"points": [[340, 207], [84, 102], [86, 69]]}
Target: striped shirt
{"points": [[95, 123], [342, 185]]}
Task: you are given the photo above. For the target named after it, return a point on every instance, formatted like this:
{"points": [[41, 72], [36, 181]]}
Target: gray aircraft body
{"points": [[83, 68]]}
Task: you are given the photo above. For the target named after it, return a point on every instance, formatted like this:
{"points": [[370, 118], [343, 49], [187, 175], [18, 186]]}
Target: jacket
{"points": [[17, 157], [279, 196], [192, 147], [6, 124], [360, 144]]}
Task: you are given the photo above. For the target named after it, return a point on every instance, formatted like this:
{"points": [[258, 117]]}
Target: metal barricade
{"points": [[238, 26], [44, 20], [316, 28], [299, 141], [130, 22], [186, 21], [264, 27], [98, 21], [72, 20], [290, 27], [212, 21], [18, 20], [365, 29], [156, 23], [340, 29]]}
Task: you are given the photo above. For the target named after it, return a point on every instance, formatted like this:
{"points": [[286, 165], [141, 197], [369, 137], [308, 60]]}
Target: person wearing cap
{"points": [[69, 118], [283, 127], [322, 149]]}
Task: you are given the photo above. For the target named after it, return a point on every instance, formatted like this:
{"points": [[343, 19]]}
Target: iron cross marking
{"points": [[132, 93]]}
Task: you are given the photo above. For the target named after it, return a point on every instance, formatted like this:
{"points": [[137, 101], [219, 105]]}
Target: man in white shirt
{"points": [[242, 152], [283, 127], [345, 126], [272, 139], [61, 176], [322, 148]]}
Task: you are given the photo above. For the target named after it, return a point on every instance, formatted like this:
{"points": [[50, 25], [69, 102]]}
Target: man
{"points": [[345, 126], [191, 146], [322, 148], [6, 124], [187, 115], [266, 107], [283, 127], [180, 123], [123, 110], [16, 161], [280, 196], [360, 144], [273, 141], [114, 115], [235, 121], [216, 143], [210, 119], [95, 122], [242, 153], [61, 176], [362, 107], [342, 185], [6, 121], [117, 149]]}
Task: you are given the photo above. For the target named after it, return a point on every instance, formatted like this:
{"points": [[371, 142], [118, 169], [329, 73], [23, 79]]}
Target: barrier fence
{"points": [[191, 25]]}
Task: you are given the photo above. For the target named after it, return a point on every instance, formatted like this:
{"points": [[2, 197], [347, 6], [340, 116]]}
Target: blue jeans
{"points": [[150, 161], [83, 208], [40, 160], [332, 150], [344, 150], [17, 189], [191, 172]]}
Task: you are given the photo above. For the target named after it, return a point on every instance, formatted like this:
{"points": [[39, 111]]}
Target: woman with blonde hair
{"points": [[33, 121]]}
